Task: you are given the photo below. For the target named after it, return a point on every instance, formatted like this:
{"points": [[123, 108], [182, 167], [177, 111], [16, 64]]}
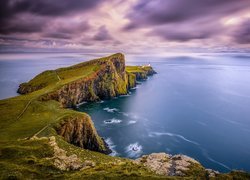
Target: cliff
{"points": [[140, 72], [41, 139], [80, 131], [39, 111], [106, 78]]}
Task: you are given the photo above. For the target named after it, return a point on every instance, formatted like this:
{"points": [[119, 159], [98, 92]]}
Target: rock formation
{"points": [[168, 165], [80, 131], [93, 80], [108, 80]]}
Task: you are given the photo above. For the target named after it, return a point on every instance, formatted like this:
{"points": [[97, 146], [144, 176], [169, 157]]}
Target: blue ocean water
{"points": [[197, 105]]}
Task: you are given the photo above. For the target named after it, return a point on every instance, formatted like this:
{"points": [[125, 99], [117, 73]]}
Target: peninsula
{"points": [[43, 137]]}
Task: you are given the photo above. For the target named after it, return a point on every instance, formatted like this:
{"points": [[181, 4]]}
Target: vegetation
{"points": [[26, 122]]}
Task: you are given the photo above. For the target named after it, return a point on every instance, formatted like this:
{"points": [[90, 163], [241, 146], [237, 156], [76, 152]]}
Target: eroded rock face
{"points": [[109, 81], [64, 162], [80, 131], [212, 173], [144, 74], [168, 165]]}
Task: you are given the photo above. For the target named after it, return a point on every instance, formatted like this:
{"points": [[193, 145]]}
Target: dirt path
{"points": [[58, 77], [26, 107]]}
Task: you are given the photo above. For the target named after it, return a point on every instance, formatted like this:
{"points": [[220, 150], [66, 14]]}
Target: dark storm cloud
{"points": [[242, 33], [102, 34], [66, 30], [158, 12], [12, 10], [45, 7], [182, 20], [23, 24]]}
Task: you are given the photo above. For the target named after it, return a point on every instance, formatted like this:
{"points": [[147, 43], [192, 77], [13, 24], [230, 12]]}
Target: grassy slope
{"points": [[134, 69], [25, 116]]}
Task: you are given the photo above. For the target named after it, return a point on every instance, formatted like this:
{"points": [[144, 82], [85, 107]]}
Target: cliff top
{"points": [[31, 148], [61, 76]]}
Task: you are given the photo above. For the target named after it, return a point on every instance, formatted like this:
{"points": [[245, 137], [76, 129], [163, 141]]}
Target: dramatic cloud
{"points": [[45, 7], [183, 20], [135, 26], [242, 33], [158, 12], [21, 15], [102, 34], [66, 30]]}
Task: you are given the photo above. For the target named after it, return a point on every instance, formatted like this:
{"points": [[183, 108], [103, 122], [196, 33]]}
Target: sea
{"points": [[196, 104]]}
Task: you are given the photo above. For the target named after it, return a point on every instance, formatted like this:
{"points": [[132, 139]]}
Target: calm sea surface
{"points": [[196, 105]]}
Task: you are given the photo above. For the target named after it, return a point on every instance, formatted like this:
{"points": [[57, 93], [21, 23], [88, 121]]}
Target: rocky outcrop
{"points": [[80, 131], [64, 162], [131, 80], [212, 173], [144, 73], [90, 81], [169, 165], [109, 79]]}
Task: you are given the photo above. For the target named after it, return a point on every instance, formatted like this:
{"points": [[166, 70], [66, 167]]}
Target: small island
{"points": [[42, 136]]}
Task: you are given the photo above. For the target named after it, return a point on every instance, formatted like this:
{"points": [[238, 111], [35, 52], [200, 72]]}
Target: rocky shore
{"points": [[41, 138]]}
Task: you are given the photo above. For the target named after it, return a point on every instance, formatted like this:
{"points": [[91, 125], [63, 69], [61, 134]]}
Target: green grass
{"points": [[133, 69], [25, 116], [69, 74]]}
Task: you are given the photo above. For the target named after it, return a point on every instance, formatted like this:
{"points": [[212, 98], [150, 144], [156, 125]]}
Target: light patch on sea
{"points": [[111, 110], [112, 121], [111, 146], [134, 150]]}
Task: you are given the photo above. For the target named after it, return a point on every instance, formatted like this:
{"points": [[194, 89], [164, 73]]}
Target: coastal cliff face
{"points": [[107, 82], [40, 139], [89, 81], [108, 78], [80, 131]]}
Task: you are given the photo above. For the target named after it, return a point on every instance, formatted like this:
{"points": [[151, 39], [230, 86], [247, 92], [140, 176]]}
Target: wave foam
{"points": [[132, 122], [112, 121], [100, 102], [79, 104], [214, 161], [110, 110], [134, 150], [112, 146], [152, 134]]}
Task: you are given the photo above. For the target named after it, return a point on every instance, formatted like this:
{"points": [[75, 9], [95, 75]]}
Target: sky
{"points": [[131, 26]]}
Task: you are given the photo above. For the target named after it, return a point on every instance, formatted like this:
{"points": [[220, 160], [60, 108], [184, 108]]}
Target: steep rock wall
{"points": [[109, 81], [80, 131]]}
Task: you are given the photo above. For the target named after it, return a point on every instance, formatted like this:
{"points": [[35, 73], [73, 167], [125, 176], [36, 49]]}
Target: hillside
{"points": [[40, 138]]}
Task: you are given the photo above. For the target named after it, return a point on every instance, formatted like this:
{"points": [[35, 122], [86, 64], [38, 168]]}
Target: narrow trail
{"points": [[25, 108], [58, 77], [41, 130]]}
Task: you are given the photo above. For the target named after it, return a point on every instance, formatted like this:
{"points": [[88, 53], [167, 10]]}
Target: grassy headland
{"points": [[40, 138]]}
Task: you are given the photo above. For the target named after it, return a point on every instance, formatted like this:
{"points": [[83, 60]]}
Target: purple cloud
{"points": [[12, 11], [182, 20], [158, 12], [102, 34], [66, 30], [242, 33]]}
